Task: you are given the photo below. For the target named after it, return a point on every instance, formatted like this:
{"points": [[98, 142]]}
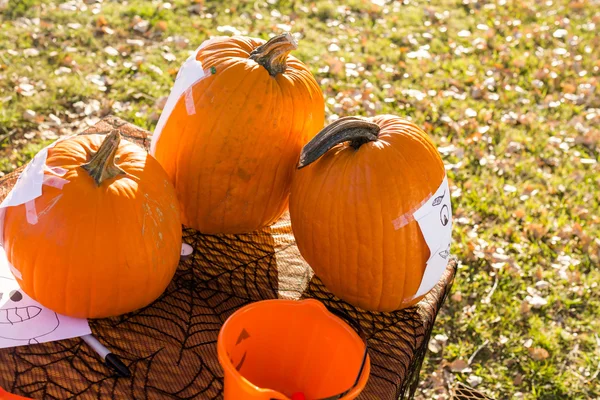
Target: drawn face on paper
{"points": [[445, 252], [444, 210], [445, 215], [21, 318]]}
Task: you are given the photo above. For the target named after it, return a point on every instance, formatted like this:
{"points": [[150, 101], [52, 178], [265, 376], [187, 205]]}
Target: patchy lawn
{"points": [[507, 89]]}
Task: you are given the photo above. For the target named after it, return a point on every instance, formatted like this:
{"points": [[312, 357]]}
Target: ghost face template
{"points": [[21, 318]]}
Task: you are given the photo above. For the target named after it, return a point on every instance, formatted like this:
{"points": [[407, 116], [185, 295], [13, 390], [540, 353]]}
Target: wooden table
{"points": [[170, 346]]}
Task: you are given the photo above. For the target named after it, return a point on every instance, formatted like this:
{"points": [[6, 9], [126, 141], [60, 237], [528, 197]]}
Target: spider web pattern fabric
{"points": [[464, 392], [170, 346]]}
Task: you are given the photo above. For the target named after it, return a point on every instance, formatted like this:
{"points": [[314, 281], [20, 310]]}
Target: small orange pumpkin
{"points": [[358, 176], [105, 244], [232, 160]]}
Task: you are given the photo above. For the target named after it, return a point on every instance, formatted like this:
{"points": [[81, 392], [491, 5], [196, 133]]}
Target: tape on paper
{"points": [[28, 186], [55, 181], [190, 73], [58, 171], [14, 271], [190, 108], [47, 180], [435, 220], [407, 217], [30, 212]]}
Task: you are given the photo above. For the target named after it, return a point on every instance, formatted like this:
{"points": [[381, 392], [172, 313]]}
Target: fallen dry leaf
{"points": [[31, 52], [458, 365], [536, 301], [101, 21], [434, 346], [539, 273], [538, 353], [525, 308], [518, 380], [474, 380], [161, 26], [29, 115]]}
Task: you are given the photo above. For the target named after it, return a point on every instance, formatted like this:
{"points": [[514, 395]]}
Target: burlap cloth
{"points": [[170, 346]]}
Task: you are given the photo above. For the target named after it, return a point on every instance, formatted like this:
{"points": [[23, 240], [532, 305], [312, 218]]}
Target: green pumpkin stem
{"points": [[355, 130], [273, 54], [102, 164]]}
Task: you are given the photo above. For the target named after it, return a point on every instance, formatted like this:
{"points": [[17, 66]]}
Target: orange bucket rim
{"points": [[229, 367]]}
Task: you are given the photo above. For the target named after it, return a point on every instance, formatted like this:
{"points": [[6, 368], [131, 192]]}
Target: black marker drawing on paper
{"points": [[21, 319], [445, 211], [445, 215], [438, 200], [445, 253]]}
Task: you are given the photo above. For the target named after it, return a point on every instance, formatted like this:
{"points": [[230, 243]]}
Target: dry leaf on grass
{"points": [[474, 380], [459, 365], [538, 353], [536, 301], [457, 297]]}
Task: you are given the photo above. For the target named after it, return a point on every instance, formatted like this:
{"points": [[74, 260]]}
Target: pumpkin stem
{"points": [[102, 164], [356, 130], [273, 54]]}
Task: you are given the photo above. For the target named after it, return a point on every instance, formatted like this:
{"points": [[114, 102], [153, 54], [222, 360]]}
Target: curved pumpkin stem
{"points": [[102, 164], [355, 130], [273, 54]]}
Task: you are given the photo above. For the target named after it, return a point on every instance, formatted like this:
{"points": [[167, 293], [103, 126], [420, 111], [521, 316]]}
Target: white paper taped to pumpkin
{"points": [[190, 73], [29, 186], [435, 220]]}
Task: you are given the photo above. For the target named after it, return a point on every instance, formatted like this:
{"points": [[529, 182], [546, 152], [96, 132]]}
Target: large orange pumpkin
{"points": [[108, 241], [233, 158], [359, 177]]}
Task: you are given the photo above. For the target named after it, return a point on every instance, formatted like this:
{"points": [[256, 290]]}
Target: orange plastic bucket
{"points": [[4, 395], [286, 349]]}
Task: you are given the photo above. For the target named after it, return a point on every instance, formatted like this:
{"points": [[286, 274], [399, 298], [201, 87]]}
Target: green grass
{"points": [[521, 115]]}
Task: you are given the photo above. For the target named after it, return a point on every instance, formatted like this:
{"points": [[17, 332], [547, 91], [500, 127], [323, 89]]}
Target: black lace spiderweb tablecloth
{"points": [[170, 346]]}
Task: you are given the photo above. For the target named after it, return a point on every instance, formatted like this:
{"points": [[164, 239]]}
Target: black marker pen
{"points": [[111, 360]]}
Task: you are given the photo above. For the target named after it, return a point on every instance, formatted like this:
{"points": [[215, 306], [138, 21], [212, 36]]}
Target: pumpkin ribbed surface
{"points": [[345, 209], [232, 160], [97, 250]]}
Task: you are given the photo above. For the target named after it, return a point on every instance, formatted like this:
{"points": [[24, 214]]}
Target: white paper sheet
{"points": [[28, 186], [24, 321], [435, 220], [190, 73]]}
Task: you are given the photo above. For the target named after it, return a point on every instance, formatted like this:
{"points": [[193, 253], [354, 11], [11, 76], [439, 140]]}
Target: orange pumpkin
{"points": [[108, 241], [357, 177], [232, 160]]}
